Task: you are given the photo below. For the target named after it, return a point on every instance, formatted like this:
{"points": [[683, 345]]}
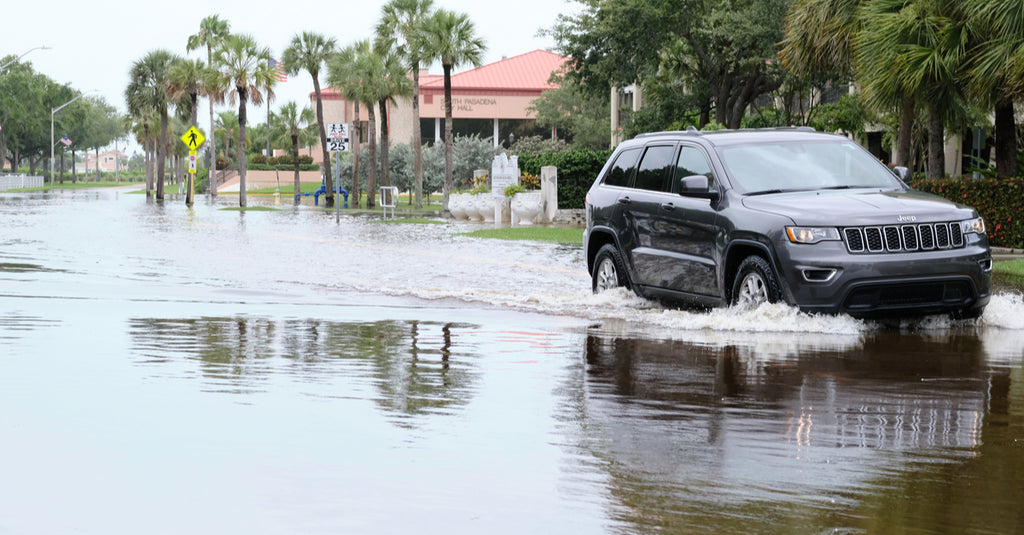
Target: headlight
{"points": [[976, 226], [812, 234]]}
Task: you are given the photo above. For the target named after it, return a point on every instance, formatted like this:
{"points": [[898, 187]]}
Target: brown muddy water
{"points": [[165, 370]]}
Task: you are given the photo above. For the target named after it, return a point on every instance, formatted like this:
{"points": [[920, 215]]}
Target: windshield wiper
{"points": [[772, 191]]}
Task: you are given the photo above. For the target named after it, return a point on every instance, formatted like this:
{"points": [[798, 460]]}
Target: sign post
{"points": [[338, 142], [192, 138]]}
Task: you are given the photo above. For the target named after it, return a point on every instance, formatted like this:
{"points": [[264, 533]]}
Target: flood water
{"points": [[166, 370]]}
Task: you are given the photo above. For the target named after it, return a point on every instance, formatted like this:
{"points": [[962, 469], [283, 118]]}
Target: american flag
{"points": [[65, 141], [279, 67]]}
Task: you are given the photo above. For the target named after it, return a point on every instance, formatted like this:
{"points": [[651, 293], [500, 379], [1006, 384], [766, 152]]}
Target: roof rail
{"points": [[690, 131]]}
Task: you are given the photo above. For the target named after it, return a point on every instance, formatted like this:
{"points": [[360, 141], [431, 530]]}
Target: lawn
{"points": [[569, 236], [1009, 274]]}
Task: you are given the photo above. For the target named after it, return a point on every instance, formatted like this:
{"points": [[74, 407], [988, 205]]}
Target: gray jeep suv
{"points": [[791, 215]]}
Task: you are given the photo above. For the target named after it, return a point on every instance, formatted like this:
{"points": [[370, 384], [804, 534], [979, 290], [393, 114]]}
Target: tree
{"points": [[294, 122], [391, 83], [996, 69], [348, 71], [400, 29], [147, 89], [451, 38], [579, 116], [914, 49], [309, 51], [720, 51], [247, 67], [186, 79], [212, 30]]}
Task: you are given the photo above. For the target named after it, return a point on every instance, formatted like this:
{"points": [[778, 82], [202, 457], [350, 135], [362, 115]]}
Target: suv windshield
{"points": [[804, 165]]}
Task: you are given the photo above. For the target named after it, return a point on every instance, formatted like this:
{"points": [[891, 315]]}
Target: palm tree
{"points": [[227, 126], [405, 19], [212, 30], [309, 51], [392, 82], [294, 122], [185, 81], [344, 71], [451, 38], [247, 66], [996, 69], [915, 48], [147, 89]]}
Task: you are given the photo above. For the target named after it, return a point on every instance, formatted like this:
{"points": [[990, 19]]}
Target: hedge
{"points": [[999, 201], [577, 170]]}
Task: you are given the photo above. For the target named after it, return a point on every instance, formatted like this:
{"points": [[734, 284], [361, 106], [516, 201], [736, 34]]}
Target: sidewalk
{"points": [[1005, 253]]}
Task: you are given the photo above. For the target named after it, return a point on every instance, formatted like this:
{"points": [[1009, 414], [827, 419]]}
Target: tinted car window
{"points": [[693, 161], [622, 169], [653, 172]]}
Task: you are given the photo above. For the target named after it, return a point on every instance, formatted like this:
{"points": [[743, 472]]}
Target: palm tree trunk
{"points": [[417, 142], [241, 147], [355, 156], [295, 159], [212, 185], [385, 172], [161, 155], [449, 139], [936, 143], [371, 175], [328, 180], [904, 137], [1006, 139]]}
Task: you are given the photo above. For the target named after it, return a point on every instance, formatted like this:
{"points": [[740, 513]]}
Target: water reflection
{"points": [[700, 437], [414, 367]]}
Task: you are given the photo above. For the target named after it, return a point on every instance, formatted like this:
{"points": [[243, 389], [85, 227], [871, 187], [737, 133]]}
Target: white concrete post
{"points": [[549, 190]]}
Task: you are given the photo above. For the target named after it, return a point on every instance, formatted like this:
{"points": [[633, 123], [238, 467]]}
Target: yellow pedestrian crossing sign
{"points": [[193, 138]]}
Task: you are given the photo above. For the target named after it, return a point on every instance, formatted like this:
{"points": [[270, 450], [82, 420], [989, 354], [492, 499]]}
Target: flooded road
{"points": [[172, 371]]}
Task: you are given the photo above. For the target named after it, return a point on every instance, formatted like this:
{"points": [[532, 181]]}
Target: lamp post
{"points": [[53, 111], [15, 60]]}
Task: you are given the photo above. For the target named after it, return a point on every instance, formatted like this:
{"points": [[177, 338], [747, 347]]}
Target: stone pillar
{"points": [[549, 190]]}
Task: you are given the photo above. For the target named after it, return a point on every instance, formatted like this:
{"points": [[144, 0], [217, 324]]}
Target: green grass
{"points": [[570, 236], [287, 189], [411, 221], [1009, 274], [250, 209], [76, 185]]}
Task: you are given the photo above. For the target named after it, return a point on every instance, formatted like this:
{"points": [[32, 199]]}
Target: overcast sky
{"points": [[94, 44]]}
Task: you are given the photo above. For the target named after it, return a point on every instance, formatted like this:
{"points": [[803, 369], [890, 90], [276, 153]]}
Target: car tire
{"points": [[755, 283], [609, 270]]}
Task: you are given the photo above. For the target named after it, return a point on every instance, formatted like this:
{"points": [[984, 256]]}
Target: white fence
{"points": [[20, 181]]}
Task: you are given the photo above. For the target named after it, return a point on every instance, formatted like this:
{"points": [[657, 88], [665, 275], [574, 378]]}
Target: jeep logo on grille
{"points": [[906, 218]]}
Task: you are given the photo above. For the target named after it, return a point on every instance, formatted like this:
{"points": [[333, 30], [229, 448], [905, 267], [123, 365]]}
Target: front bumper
{"points": [[827, 278]]}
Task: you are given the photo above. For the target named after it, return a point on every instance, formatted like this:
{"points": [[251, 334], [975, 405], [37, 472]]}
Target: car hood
{"points": [[859, 207]]}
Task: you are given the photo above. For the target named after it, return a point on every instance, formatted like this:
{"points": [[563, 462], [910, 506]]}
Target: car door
{"points": [[643, 205], [687, 229]]}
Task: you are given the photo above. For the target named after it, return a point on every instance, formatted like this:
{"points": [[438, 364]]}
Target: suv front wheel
{"points": [[755, 283], [609, 270]]}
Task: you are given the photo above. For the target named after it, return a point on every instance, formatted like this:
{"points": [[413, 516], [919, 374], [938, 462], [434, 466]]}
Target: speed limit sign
{"points": [[337, 137]]}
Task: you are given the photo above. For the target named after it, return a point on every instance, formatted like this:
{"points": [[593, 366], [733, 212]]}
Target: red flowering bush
{"points": [[1000, 203]]}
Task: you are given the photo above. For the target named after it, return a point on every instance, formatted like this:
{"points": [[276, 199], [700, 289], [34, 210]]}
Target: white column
{"points": [[495, 131], [437, 130]]}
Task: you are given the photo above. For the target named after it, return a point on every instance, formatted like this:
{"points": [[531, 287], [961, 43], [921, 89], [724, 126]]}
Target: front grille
{"points": [[904, 238]]}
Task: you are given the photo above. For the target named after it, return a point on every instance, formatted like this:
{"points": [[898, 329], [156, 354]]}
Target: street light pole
{"points": [[53, 111], [15, 60]]}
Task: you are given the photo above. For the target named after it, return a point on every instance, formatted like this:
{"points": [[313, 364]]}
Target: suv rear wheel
{"points": [[755, 283], [609, 270]]}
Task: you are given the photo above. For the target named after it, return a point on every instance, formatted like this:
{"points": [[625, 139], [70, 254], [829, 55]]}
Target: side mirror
{"points": [[901, 173], [696, 186]]}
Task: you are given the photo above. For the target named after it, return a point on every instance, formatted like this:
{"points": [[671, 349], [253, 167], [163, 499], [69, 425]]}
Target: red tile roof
{"points": [[525, 72]]}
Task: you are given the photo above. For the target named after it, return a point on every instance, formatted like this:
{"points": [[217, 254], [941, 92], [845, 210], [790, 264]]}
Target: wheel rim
{"points": [[753, 290], [607, 276]]}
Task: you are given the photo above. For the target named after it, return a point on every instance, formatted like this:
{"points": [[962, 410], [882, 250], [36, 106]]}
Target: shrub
{"points": [[259, 158], [577, 170], [285, 159], [305, 159], [999, 202]]}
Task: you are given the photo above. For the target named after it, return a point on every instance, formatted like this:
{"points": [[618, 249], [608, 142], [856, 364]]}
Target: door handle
{"points": [[624, 200], [668, 207]]}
